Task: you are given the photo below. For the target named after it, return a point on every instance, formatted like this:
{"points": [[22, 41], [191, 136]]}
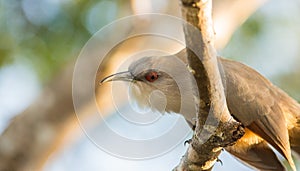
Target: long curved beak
{"points": [[121, 76]]}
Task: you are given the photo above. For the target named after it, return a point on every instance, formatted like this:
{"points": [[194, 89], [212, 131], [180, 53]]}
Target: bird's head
{"points": [[156, 81]]}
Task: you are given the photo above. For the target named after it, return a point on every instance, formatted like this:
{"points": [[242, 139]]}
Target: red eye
{"points": [[151, 76]]}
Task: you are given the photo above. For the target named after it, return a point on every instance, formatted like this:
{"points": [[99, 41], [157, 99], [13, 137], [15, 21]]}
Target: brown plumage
{"points": [[264, 109], [270, 116]]}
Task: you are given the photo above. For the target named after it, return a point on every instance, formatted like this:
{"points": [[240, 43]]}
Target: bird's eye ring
{"points": [[151, 76]]}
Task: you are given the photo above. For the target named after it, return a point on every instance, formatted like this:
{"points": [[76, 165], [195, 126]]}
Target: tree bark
{"points": [[215, 127]]}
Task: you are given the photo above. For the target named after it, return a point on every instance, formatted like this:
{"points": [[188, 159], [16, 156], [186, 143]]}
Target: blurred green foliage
{"points": [[47, 33], [253, 27], [245, 36], [290, 83]]}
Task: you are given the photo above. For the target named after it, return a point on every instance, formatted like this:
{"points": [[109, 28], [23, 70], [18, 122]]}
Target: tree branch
{"points": [[215, 127]]}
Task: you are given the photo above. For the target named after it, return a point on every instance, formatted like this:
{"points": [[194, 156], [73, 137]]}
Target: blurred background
{"points": [[41, 39]]}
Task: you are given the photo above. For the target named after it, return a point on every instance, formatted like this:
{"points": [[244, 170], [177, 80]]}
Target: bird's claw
{"points": [[187, 142], [219, 160]]}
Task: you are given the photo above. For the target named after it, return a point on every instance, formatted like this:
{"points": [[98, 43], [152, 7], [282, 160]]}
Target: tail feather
{"points": [[260, 156]]}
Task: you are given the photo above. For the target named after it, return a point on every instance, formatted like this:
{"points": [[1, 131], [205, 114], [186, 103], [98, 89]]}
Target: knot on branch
{"points": [[227, 134]]}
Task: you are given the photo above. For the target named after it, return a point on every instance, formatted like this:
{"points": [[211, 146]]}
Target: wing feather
{"points": [[253, 100]]}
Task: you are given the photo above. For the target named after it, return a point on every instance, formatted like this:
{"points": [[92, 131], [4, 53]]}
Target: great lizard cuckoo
{"points": [[269, 115]]}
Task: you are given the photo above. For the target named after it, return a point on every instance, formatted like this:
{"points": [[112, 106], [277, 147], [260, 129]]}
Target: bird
{"points": [[271, 117]]}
